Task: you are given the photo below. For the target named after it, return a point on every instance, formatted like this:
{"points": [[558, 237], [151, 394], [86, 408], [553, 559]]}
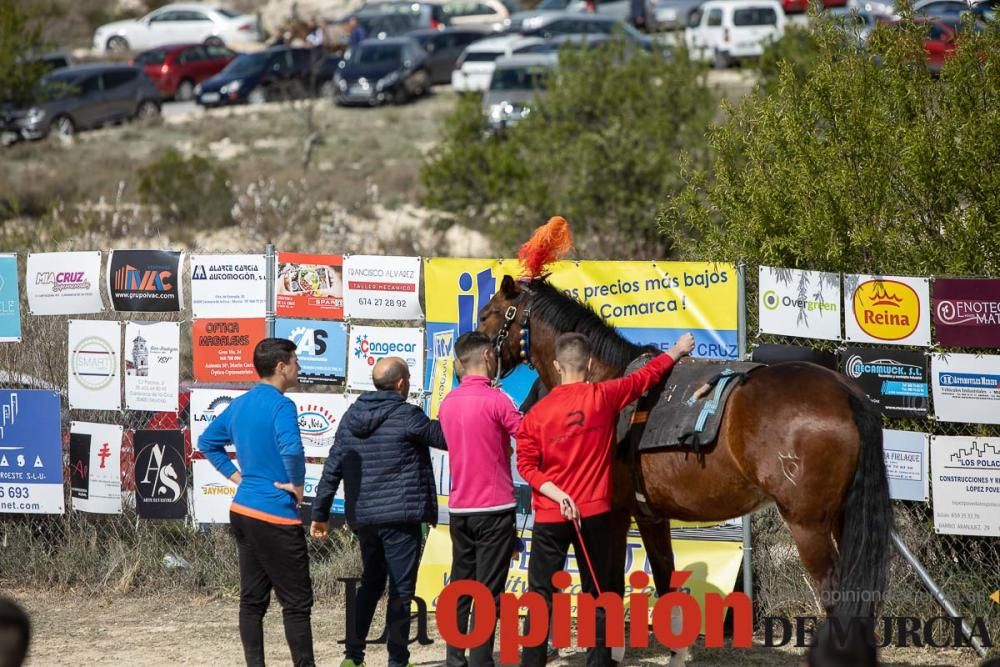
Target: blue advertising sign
{"points": [[10, 301], [31, 471], [321, 348]]}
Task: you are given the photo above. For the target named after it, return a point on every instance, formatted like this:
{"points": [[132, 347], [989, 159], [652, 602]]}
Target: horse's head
{"points": [[504, 318]]}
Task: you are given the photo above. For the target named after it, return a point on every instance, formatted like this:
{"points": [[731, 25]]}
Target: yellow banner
{"points": [[443, 371], [713, 566]]}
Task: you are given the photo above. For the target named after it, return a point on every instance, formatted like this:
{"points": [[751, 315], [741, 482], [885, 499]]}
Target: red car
{"points": [[176, 69]]}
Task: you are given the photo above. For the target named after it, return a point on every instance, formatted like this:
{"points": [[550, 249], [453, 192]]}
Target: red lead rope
{"points": [[583, 547]]}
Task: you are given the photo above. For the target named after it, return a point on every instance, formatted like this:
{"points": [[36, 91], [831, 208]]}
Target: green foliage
{"points": [[193, 192], [602, 148], [19, 38], [862, 161]]}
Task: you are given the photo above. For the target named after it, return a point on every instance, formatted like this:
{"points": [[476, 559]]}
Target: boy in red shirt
{"points": [[564, 449]]}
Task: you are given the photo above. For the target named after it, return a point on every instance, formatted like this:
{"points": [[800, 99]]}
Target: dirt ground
{"points": [[79, 629]]}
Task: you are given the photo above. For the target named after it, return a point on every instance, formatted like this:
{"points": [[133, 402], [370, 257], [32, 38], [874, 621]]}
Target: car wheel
{"points": [[214, 41], [117, 44], [721, 60], [185, 91], [64, 127], [258, 95], [147, 110]]}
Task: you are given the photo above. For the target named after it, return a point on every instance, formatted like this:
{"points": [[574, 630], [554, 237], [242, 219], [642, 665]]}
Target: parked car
{"points": [[516, 82], [394, 17], [675, 14], [941, 9], [489, 14], [445, 47], [940, 38], [724, 31], [550, 24], [475, 66], [278, 73], [177, 23], [84, 97], [555, 44], [177, 69], [383, 70]]}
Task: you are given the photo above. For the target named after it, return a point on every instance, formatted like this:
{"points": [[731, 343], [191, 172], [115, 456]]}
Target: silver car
{"points": [[517, 81], [675, 14]]}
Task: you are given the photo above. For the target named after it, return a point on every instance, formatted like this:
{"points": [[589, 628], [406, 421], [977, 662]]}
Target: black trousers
{"points": [[549, 546], [273, 556], [481, 547], [387, 552]]}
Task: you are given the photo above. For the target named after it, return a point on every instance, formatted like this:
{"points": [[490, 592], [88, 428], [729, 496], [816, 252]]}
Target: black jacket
{"points": [[380, 452]]}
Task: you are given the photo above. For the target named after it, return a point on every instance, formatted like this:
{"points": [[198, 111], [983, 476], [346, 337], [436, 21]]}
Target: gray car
{"points": [[517, 80], [675, 14], [83, 97]]}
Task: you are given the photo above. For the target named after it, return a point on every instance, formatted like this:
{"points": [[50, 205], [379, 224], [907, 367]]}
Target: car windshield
{"points": [[247, 63], [228, 13], [519, 78], [553, 5], [151, 57], [631, 31], [376, 53]]}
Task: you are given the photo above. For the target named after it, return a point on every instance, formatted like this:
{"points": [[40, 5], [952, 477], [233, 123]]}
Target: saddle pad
{"points": [[677, 417]]}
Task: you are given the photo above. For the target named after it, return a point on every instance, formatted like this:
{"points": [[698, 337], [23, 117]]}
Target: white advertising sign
{"points": [[314, 472], [382, 288], [887, 309], [319, 417], [906, 464], [965, 481], [95, 365], [152, 365], [206, 405], [228, 286], [799, 303], [366, 345], [966, 388], [213, 493], [95, 467], [64, 283]]}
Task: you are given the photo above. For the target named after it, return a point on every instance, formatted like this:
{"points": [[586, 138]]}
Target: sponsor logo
{"points": [[218, 489], [214, 409], [772, 301], [308, 342], [886, 309], [161, 480], [63, 280], [856, 367], [94, 363], [470, 303], [227, 272], [315, 421], [957, 313], [973, 380], [130, 278], [8, 415], [373, 350]]}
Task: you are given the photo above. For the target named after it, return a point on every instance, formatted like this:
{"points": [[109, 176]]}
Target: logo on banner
{"points": [[315, 421], [372, 350], [772, 301], [199, 272], [130, 278], [9, 414], [856, 367], [309, 342], [63, 280], [94, 363], [954, 312], [214, 408], [162, 469], [976, 456], [886, 309], [974, 380], [217, 489], [470, 304]]}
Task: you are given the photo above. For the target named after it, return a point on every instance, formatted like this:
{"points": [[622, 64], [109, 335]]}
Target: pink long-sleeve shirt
{"points": [[478, 422]]}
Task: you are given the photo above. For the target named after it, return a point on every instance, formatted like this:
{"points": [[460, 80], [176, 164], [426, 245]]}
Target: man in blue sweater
{"points": [[380, 452], [264, 517]]}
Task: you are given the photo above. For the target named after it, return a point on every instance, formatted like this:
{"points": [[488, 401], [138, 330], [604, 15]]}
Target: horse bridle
{"points": [[508, 319]]}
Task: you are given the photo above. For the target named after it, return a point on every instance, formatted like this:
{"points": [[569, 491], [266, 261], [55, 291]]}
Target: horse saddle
{"points": [[686, 410]]}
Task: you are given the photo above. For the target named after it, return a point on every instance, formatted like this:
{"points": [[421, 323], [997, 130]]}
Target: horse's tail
{"points": [[868, 522]]}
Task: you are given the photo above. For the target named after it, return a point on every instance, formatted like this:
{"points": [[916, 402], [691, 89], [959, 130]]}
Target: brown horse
{"points": [[795, 435]]}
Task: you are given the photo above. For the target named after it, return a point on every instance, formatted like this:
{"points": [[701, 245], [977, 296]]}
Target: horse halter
{"points": [[508, 319]]}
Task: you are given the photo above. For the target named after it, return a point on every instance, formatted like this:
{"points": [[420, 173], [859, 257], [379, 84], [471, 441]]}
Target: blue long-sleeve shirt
{"points": [[263, 425]]}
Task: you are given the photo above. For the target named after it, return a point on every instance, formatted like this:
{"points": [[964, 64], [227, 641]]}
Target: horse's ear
{"points": [[508, 286]]}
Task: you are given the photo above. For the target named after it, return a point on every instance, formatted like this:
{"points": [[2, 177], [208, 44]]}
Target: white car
{"points": [[176, 24], [724, 31], [476, 64]]}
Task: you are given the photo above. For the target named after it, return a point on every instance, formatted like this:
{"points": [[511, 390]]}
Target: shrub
{"points": [[192, 192]]}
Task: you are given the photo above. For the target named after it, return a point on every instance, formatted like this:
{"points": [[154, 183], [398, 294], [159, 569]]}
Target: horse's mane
{"points": [[564, 314]]}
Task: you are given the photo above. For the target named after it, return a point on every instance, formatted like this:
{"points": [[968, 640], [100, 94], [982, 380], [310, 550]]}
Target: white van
{"points": [[475, 66], [724, 31]]}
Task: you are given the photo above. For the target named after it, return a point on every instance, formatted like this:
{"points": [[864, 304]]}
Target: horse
{"points": [[794, 435]]}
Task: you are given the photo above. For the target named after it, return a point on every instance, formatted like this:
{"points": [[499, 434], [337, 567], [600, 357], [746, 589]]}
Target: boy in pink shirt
{"points": [[478, 421]]}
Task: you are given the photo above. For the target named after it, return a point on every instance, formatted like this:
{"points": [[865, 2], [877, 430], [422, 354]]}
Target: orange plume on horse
{"points": [[549, 243]]}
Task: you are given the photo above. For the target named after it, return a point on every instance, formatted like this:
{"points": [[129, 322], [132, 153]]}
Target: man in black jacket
{"points": [[380, 452]]}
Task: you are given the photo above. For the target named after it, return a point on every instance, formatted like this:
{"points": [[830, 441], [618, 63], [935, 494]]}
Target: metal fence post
{"points": [[741, 343], [270, 256]]}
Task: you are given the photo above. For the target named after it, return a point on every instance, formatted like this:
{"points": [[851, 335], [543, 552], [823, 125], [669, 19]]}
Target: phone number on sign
{"points": [[366, 301], [14, 492]]}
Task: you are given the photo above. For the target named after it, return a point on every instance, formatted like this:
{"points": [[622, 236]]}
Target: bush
{"points": [[601, 148], [192, 192]]}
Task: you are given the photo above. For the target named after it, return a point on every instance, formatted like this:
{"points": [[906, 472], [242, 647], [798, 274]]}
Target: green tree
{"points": [[860, 161], [602, 148], [20, 37]]}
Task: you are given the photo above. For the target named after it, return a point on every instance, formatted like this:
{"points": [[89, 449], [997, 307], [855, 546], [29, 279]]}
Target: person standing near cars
{"points": [[264, 516]]}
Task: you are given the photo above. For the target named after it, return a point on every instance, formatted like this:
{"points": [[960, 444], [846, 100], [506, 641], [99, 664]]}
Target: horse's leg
{"points": [[656, 537], [817, 551]]}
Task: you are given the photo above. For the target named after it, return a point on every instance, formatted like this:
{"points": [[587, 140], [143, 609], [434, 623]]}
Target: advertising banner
{"points": [[206, 405], [10, 301], [147, 281], [321, 348], [369, 344], [152, 365], [319, 417], [228, 286], [907, 461], [64, 283], [212, 491], [965, 481], [713, 566], [799, 303], [95, 365], [95, 467], [887, 309], [382, 288], [223, 349], [309, 286], [443, 368], [31, 463], [314, 471], [967, 312], [966, 388], [894, 380], [160, 474]]}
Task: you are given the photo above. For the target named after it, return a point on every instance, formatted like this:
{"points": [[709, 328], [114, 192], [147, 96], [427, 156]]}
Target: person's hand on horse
{"points": [[319, 530], [683, 346]]}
